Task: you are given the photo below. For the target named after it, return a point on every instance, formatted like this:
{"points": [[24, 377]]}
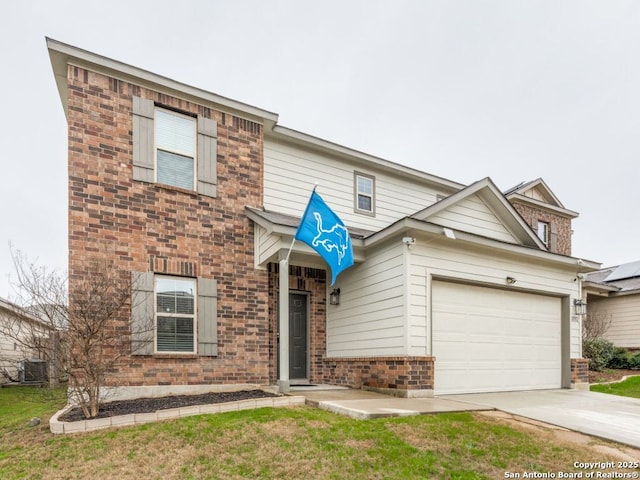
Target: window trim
{"points": [[547, 232], [357, 193], [194, 316], [194, 121]]}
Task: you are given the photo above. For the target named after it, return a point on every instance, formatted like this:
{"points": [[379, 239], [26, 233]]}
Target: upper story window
{"points": [[543, 232], [175, 314], [175, 149], [365, 198]]}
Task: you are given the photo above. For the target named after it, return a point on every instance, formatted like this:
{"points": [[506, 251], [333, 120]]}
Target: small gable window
{"points": [[543, 232], [364, 193]]}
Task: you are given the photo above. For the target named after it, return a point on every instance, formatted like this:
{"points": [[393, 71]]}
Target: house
{"points": [[20, 334], [613, 295], [198, 197]]}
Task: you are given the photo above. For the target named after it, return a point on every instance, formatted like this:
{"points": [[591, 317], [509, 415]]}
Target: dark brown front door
{"points": [[297, 336]]}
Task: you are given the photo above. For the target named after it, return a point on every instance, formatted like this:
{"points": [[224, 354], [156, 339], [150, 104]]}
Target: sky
{"points": [[463, 89]]}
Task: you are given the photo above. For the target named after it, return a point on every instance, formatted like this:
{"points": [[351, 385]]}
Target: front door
{"points": [[297, 336]]}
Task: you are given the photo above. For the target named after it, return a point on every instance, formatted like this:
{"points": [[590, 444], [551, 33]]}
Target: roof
{"points": [[284, 220], [499, 204], [19, 312], [62, 55], [619, 278], [526, 192]]}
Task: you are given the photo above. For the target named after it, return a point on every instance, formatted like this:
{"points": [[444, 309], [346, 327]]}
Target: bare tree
{"points": [[595, 325], [93, 331]]}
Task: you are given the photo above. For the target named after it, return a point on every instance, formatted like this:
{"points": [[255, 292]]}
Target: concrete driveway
{"points": [[599, 414]]}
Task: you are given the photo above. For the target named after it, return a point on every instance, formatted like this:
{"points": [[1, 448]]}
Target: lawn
{"points": [[291, 443], [629, 388]]}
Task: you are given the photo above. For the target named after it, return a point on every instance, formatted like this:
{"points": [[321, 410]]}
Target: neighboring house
{"points": [[198, 197], [613, 294], [19, 329]]}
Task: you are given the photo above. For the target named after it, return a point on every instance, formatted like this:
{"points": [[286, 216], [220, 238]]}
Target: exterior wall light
{"points": [[511, 280], [334, 297], [580, 307]]}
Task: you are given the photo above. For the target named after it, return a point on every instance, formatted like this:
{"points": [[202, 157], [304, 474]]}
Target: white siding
{"points": [[624, 330], [447, 260], [370, 318], [474, 216], [267, 245], [11, 350], [290, 174]]}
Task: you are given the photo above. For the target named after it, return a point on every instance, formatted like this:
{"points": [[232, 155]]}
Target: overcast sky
{"points": [[513, 90]]}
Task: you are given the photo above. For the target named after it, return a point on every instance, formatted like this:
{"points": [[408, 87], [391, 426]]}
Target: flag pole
{"points": [[284, 382], [315, 185]]}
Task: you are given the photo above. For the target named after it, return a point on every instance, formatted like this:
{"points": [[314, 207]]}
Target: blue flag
{"points": [[322, 230]]}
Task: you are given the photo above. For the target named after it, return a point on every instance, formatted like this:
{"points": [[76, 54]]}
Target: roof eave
{"points": [[408, 224], [565, 212], [62, 55], [279, 132]]}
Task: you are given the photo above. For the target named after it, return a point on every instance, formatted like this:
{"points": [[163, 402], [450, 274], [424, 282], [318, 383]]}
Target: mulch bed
{"points": [[610, 375], [149, 405]]}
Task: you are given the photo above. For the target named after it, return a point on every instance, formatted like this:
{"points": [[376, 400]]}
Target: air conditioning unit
{"points": [[32, 371]]}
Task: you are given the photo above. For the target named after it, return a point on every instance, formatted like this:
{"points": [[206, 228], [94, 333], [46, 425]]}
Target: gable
{"points": [[481, 209], [472, 215], [537, 194], [540, 194]]}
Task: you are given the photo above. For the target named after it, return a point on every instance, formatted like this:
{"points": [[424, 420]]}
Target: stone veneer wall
{"points": [[561, 225]]}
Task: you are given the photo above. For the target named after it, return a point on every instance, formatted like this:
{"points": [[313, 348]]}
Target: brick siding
{"points": [[579, 370], [399, 373], [147, 227]]}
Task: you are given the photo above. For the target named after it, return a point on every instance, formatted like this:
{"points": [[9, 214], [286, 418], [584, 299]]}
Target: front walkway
{"points": [[363, 405]]}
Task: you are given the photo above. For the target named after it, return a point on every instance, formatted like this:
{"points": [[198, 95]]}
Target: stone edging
{"points": [[58, 427]]}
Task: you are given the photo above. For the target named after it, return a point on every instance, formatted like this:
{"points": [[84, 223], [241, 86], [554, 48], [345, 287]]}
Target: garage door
{"points": [[492, 340]]}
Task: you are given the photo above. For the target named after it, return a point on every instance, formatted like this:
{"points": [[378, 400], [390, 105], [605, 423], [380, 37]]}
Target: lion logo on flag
{"points": [[336, 238]]}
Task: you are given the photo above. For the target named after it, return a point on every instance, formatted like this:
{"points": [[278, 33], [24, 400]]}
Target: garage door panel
{"points": [[487, 339]]}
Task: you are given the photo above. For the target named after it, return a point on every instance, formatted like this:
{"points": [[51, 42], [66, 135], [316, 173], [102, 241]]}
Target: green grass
{"points": [[628, 388], [292, 443]]}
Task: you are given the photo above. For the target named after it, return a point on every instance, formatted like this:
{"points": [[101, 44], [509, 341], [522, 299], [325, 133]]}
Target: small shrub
{"points": [[634, 361], [621, 359], [600, 352]]}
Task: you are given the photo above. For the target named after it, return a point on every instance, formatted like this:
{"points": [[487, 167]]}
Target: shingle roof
{"points": [[293, 221]]}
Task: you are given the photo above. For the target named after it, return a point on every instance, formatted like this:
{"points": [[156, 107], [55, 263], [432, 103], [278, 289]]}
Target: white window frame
{"points": [[543, 231], [194, 121], [357, 193], [194, 281]]}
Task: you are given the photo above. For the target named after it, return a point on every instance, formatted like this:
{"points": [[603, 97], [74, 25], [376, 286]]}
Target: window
{"points": [[175, 314], [175, 149], [543, 232], [364, 186]]}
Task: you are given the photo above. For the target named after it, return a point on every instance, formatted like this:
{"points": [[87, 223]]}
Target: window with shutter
{"points": [[174, 149], [175, 314], [182, 313]]}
